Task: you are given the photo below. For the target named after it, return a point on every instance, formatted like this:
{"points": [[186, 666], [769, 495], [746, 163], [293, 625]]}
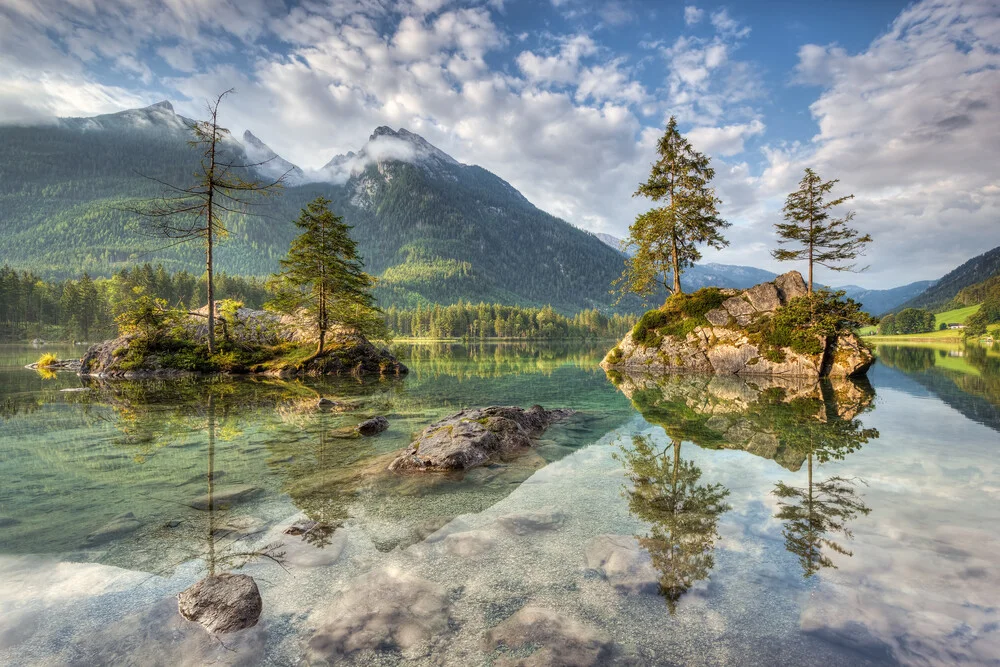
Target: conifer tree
{"points": [[820, 238], [323, 275], [665, 239]]}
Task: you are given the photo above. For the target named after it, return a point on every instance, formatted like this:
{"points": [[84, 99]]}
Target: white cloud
{"points": [[910, 126], [693, 15], [727, 140]]}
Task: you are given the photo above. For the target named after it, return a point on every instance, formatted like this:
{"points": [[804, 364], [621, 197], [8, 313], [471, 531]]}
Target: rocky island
{"points": [[252, 342], [771, 329]]}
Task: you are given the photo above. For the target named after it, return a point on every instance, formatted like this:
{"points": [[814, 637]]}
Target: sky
{"points": [[565, 99]]}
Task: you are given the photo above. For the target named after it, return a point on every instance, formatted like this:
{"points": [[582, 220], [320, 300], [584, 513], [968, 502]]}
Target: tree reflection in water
{"points": [[682, 514], [815, 513]]}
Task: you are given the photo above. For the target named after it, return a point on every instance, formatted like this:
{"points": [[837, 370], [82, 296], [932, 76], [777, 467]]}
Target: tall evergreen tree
{"points": [[222, 187], [665, 239], [324, 276], [820, 238]]}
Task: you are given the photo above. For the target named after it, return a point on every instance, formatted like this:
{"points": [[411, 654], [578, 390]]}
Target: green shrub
{"points": [[679, 316]]}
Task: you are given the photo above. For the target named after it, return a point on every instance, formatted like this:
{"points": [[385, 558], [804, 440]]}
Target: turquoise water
{"points": [[683, 520]]}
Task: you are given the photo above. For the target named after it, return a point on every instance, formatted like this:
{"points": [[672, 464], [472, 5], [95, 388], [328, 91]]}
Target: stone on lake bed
{"points": [[373, 426], [557, 640], [222, 603], [6, 521], [226, 496], [532, 522], [384, 610], [470, 543], [121, 525], [473, 437]]}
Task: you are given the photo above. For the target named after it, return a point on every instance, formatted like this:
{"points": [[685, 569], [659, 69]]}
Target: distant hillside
{"points": [[881, 301], [941, 294], [875, 302], [433, 230], [710, 274]]}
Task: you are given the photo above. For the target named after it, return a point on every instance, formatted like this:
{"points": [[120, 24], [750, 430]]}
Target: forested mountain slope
{"points": [[938, 296], [432, 229]]}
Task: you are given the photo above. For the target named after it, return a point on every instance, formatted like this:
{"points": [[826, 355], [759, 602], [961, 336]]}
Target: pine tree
{"points": [[665, 239], [821, 239], [324, 276]]}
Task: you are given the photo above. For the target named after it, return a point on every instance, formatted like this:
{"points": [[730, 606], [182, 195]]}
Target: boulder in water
{"points": [[472, 437], [373, 426], [222, 603]]}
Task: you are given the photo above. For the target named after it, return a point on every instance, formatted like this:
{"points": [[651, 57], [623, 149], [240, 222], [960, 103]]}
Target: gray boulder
{"points": [[373, 426], [532, 522], [222, 603], [472, 437]]}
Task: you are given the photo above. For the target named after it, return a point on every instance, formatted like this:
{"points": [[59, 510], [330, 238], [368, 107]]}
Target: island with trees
{"points": [[785, 327]]}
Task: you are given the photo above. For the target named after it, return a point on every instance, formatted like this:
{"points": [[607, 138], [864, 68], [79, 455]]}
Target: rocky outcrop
{"points": [[473, 437], [222, 603], [725, 342]]}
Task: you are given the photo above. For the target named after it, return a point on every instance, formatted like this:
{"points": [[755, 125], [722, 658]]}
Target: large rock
{"points": [[553, 640], [373, 426], [386, 610], [724, 343], [222, 603], [473, 437]]}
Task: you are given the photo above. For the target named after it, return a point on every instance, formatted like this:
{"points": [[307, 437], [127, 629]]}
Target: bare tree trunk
{"points": [[211, 486]]}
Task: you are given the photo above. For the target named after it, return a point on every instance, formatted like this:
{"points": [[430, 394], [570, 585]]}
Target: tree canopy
{"points": [[815, 236], [666, 239]]}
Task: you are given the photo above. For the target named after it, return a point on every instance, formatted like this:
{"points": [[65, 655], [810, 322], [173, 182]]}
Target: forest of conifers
{"points": [[85, 308]]}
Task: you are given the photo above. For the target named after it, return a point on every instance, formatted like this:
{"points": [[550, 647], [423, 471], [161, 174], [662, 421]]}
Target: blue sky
{"points": [[565, 98]]}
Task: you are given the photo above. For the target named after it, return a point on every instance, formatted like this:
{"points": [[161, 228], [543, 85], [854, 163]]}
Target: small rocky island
{"points": [[252, 342], [772, 329]]}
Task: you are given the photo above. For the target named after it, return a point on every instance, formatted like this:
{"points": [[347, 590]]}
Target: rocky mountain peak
{"points": [[163, 105]]}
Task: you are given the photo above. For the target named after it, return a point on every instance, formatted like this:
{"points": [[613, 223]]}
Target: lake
{"points": [[681, 520]]}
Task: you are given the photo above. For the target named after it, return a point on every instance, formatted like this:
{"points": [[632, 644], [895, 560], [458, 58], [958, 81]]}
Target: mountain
{"points": [[709, 274], [269, 163], [881, 301], [941, 293], [432, 229]]}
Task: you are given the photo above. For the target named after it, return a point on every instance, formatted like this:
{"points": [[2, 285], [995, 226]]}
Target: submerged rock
{"points": [[222, 603], [6, 521], [473, 437], [120, 526], [723, 341], [554, 639], [225, 496], [384, 610], [326, 403], [532, 522], [373, 426]]}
